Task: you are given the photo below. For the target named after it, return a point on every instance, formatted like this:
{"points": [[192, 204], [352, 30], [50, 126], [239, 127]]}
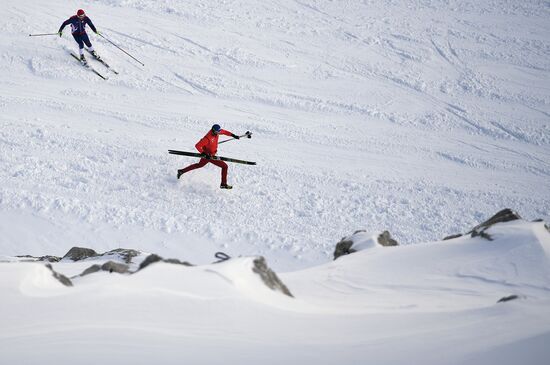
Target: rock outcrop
{"points": [[80, 253], [505, 215], [360, 240], [124, 254], [269, 277], [109, 266], [386, 240], [62, 278], [47, 258], [156, 258], [508, 298]]}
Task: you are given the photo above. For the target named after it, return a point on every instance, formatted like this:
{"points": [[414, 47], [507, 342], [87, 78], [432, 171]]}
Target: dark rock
{"points": [[343, 248], [149, 260], [80, 253], [62, 278], [482, 234], [156, 258], [112, 266], [177, 262], [505, 215], [42, 258], [547, 227], [505, 299], [27, 257], [386, 240], [109, 266], [453, 236], [126, 254], [91, 270], [269, 277], [50, 258]]}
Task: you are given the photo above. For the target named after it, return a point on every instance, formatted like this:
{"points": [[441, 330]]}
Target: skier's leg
{"points": [[80, 42], [194, 166], [223, 165], [86, 40]]}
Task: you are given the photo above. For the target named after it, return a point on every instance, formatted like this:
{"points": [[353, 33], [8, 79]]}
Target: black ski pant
{"points": [[82, 39]]}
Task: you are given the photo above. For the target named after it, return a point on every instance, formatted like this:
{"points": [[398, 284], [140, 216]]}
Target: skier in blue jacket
{"points": [[78, 29]]}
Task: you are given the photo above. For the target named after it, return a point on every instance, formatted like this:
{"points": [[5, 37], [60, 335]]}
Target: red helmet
{"points": [[80, 12]]}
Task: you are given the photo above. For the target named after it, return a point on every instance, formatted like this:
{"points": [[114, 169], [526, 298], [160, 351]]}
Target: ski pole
{"points": [[42, 34], [107, 39], [247, 134]]}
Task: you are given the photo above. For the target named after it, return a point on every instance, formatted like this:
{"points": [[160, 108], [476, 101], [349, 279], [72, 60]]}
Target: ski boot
{"points": [[180, 172], [83, 60], [96, 56], [225, 186]]}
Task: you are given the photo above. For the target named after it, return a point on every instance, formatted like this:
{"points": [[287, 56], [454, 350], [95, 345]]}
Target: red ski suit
{"points": [[209, 145]]}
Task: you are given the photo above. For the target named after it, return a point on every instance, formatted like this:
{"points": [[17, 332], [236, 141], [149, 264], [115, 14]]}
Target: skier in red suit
{"points": [[208, 146]]}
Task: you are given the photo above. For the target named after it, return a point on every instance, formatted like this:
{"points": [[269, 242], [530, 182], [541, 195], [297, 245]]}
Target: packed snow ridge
{"points": [[130, 261], [473, 288]]}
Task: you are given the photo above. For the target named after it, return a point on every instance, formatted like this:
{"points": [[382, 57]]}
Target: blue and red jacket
{"points": [[209, 143], [78, 26]]}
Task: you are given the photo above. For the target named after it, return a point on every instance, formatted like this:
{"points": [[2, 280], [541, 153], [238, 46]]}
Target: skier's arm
{"points": [[226, 133], [65, 23], [89, 21]]}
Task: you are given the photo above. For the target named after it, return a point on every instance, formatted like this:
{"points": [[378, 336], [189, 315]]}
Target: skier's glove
{"points": [[235, 136], [60, 33], [207, 156]]}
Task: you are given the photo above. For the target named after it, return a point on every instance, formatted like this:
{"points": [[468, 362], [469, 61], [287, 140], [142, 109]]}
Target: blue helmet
{"points": [[216, 128]]}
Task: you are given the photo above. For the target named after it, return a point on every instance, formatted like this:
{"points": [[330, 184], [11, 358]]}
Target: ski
{"points": [[193, 154], [88, 66], [100, 60]]}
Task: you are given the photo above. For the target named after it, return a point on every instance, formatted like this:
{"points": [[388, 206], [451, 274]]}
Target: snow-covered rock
{"points": [[362, 240], [79, 253], [504, 215]]}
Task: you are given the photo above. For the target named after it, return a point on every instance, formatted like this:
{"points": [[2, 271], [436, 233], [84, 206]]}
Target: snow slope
{"points": [[419, 117], [435, 303]]}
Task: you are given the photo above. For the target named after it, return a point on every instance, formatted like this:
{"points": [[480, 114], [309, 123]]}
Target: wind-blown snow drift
{"points": [[424, 297]]}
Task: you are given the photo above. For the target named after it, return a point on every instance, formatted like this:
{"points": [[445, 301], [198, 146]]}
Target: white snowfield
{"points": [[418, 117], [436, 303]]}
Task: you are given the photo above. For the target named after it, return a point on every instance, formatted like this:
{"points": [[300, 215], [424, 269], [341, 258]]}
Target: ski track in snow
{"points": [[364, 117]]}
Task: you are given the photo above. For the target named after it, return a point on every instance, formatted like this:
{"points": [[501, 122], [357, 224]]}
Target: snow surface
{"points": [[435, 303], [423, 118]]}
